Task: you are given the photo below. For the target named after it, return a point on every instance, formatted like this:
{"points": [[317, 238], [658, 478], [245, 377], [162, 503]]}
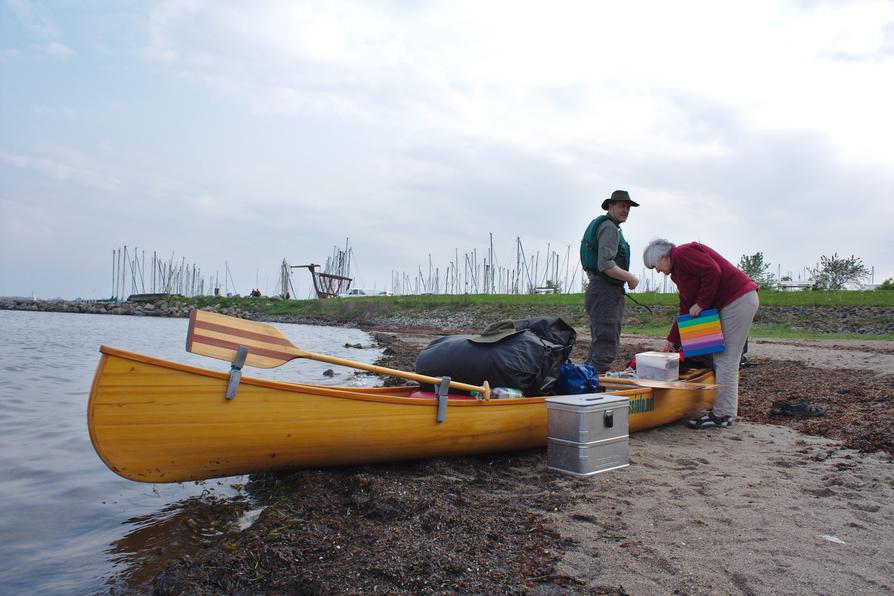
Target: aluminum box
{"points": [[587, 434], [586, 418], [587, 459]]}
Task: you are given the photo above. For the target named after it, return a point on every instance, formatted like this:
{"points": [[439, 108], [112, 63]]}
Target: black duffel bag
{"points": [[525, 354], [552, 329]]}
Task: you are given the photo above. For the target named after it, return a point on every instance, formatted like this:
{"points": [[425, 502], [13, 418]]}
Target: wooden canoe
{"points": [[153, 420]]}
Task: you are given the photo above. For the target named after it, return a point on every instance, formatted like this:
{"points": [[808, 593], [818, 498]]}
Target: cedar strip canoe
{"points": [[153, 420]]}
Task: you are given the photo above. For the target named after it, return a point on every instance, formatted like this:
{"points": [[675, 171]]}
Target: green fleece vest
{"points": [[589, 254]]}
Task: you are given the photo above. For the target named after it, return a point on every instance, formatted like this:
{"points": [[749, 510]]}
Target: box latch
{"points": [[608, 418]]}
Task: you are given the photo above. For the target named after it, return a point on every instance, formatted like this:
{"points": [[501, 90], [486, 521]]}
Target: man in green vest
{"points": [[605, 256]]}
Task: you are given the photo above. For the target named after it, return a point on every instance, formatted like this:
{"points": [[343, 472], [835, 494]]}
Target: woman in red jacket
{"points": [[706, 280]]}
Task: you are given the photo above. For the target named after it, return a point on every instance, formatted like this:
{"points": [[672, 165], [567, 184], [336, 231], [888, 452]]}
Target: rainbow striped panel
{"points": [[701, 335]]}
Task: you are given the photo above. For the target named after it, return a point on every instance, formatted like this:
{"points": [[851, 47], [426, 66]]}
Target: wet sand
{"points": [[756, 508]]}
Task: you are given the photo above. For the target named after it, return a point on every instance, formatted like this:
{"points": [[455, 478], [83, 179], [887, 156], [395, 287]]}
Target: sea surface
{"points": [[68, 524]]}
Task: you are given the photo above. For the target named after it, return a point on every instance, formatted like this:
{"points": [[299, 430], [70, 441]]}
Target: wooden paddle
{"points": [[660, 384], [220, 336]]}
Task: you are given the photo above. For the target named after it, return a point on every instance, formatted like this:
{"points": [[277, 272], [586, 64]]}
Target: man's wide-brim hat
{"points": [[495, 332], [619, 195]]}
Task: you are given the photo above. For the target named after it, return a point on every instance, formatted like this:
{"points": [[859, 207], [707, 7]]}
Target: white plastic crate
{"points": [[658, 366]]}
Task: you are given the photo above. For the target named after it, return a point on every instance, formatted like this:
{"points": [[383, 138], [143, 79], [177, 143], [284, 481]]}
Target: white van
{"points": [[362, 292]]}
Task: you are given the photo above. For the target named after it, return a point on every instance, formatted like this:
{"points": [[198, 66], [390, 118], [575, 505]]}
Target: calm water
{"points": [[69, 524]]}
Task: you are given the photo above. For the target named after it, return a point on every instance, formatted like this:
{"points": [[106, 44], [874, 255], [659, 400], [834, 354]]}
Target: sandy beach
{"points": [[772, 505], [759, 509]]}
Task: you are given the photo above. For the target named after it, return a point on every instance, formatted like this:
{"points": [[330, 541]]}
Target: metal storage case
{"points": [[587, 434]]}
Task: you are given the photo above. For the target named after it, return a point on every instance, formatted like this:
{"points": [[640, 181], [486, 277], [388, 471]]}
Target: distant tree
{"points": [[754, 267], [835, 273], [556, 285], [888, 284]]}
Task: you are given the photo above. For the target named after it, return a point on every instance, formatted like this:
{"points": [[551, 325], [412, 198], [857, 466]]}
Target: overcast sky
{"points": [[241, 133]]}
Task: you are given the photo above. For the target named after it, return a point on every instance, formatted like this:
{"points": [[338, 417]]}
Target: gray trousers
{"points": [[604, 303], [735, 319]]}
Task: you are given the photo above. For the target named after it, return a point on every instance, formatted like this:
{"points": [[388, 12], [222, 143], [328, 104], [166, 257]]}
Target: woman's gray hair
{"points": [[655, 250]]}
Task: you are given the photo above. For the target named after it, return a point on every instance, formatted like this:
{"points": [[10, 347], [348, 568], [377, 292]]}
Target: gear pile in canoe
{"points": [[153, 420]]}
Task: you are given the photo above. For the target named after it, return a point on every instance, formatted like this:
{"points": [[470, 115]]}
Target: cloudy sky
{"points": [[237, 134]]}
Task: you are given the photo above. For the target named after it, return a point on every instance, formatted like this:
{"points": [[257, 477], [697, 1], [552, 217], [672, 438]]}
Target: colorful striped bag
{"points": [[702, 334]]}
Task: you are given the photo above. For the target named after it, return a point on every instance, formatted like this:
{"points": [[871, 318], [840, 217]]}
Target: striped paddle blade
{"points": [[220, 336]]}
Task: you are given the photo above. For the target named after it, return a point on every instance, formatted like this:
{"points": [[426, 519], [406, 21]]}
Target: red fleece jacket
{"points": [[705, 278]]}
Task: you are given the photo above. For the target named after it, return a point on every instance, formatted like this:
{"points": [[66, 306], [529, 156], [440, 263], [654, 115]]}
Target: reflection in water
{"points": [[174, 532]]}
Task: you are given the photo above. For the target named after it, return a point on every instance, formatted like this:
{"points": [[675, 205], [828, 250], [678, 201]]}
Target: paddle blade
{"points": [[220, 336]]}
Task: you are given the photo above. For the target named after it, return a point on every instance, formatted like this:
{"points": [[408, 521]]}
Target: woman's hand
{"points": [[667, 347], [695, 311]]}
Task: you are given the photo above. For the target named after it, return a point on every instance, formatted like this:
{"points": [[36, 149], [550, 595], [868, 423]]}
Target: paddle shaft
{"points": [[221, 336], [484, 389]]}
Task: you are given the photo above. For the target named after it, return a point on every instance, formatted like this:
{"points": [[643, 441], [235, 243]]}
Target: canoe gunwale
{"points": [[375, 394]]}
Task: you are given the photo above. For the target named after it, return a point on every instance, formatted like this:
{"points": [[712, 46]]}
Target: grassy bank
{"points": [[828, 315], [433, 301]]}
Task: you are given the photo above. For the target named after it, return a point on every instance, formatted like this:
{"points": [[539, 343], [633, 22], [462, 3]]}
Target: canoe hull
{"points": [[156, 421]]}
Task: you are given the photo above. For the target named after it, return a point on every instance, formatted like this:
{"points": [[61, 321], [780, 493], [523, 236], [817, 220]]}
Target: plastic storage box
{"points": [[658, 366], [587, 434]]}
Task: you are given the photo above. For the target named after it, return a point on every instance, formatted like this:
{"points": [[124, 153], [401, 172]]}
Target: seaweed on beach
{"points": [[471, 524], [468, 524]]}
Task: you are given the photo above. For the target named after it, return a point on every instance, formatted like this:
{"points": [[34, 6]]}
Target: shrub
{"points": [[835, 273]]}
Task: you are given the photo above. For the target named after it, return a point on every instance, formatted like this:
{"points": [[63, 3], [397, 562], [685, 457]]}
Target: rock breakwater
{"points": [[859, 320], [157, 309]]}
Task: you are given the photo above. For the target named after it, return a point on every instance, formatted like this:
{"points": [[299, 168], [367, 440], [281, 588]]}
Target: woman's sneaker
{"points": [[709, 420]]}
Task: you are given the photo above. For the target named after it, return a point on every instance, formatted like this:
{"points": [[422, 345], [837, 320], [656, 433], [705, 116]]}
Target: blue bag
{"points": [[577, 378]]}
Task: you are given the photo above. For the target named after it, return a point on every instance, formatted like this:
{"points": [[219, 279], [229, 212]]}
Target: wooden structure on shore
{"points": [[326, 285], [328, 281]]}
